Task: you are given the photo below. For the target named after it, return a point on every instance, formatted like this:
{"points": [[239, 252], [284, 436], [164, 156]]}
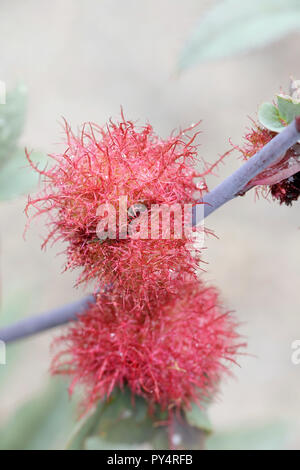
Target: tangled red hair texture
{"points": [[155, 327], [282, 179]]}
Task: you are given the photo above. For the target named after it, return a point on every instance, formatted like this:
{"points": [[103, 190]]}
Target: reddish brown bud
{"points": [[297, 123]]}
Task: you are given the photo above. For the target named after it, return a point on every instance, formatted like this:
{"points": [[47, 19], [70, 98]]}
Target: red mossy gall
{"points": [[281, 179], [99, 166], [171, 355], [155, 327]]}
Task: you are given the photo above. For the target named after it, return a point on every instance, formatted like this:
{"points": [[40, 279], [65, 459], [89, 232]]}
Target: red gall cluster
{"points": [[154, 327], [170, 359], [282, 179], [101, 165]]}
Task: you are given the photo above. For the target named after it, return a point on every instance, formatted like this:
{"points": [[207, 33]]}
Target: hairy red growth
{"points": [[155, 327], [97, 167], [278, 179], [171, 360]]}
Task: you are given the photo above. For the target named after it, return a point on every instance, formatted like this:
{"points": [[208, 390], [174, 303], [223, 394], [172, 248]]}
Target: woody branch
{"points": [[224, 192]]}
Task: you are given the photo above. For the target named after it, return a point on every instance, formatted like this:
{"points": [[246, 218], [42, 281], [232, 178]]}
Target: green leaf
{"points": [[198, 418], [160, 439], [84, 428], [120, 423], [124, 422], [41, 423], [12, 116], [269, 117], [17, 177], [270, 436], [97, 443], [234, 27], [287, 109]]}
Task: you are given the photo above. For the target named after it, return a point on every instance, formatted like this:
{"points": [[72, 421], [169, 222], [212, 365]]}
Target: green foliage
{"points": [[97, 443], [84, 428], [287, 108], [12, 117], [269, 117], [198, 418], [45, 421], [41, 423], [275, 118], [232, 27], [16, 177], [270, 436], [119, 424]]}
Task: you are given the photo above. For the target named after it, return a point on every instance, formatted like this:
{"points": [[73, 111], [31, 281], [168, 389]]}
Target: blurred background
{"points": [[82, 61]]}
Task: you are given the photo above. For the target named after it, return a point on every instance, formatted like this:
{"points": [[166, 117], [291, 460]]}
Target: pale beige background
{"points": [[82, 60]]}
